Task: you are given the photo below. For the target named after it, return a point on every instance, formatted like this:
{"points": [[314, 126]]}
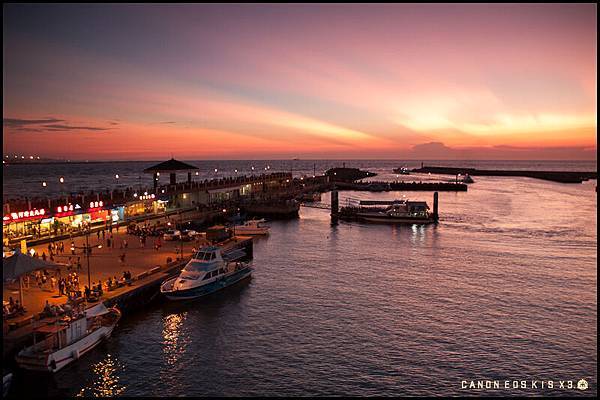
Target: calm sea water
{"points": [[22, 180], [503, 288]]}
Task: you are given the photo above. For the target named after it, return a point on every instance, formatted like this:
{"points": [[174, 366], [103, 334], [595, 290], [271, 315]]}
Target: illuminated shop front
{"points": [[62, 219], [67, 218], [144, 205], [23, 224]]}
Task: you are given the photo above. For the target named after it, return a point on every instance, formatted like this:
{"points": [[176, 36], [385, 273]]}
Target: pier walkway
{"points": [[147, 266]]}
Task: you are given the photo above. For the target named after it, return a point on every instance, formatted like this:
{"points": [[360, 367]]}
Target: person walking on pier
{"points": [[44, 255]]}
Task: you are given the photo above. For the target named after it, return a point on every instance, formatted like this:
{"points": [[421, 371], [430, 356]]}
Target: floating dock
{"points": [[406, 186]]}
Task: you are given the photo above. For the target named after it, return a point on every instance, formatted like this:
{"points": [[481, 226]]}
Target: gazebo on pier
{"points": [[171, 167]]}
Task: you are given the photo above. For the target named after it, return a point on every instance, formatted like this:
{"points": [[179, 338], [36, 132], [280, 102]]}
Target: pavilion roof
{"points": [[19, 264], [171, 165]]}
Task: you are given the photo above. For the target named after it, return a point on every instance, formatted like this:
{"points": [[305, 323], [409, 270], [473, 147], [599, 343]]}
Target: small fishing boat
{"points": [[207, 272], [252, 227], [402, 171], [64, 341], [467, 179], [462, 179]]}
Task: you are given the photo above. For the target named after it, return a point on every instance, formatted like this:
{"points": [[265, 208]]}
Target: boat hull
{"points": [[209, 288], [393, 220], [56, 361], [251, 231], [6, 380]]}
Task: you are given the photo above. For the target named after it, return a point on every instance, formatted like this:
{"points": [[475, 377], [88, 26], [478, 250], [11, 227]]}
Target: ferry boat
{"points": [[396, 212], [60, 343], [252, 227], [207, 272]]}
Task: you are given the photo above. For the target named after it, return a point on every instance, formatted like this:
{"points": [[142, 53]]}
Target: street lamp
{"points": [[44, 184], [87, 250], [62, 181]]}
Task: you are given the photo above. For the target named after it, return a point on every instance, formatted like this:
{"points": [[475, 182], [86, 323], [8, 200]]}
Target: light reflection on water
{"points": [[106, 379], [174, 344], [504, 287]]}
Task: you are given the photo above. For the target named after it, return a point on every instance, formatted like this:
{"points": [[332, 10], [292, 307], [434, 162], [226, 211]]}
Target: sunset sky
{"points": [[115, 82]]}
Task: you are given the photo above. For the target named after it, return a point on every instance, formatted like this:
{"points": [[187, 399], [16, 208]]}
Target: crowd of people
{"points": [[70, 256]]}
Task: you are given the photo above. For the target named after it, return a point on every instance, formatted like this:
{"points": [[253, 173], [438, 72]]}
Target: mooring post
{"points": [[435, 207], [334, 202]]}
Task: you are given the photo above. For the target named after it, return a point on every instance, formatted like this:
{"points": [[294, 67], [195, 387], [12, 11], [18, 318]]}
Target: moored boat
{"points": [[402, 171], [252, 227], [396, 212], [207, 272], [58, 344]]}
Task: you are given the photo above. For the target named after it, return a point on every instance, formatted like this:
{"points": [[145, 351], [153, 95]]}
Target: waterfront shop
{"points": [[143, 205], [25, 224], [63, 219]]}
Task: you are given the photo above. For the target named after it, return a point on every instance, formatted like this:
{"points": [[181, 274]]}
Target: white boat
{"points": [[207, 272], [463, 179], [57, 345], [252, 227]]}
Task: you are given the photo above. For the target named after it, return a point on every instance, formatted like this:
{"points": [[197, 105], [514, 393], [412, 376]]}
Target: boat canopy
{"points": [[98, 309], [234, 255], [381, 202]]}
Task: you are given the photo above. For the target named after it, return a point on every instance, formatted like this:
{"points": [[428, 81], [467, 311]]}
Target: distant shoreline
{"points": [[41, 162]]}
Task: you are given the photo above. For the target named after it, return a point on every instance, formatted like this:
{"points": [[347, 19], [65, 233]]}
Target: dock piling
{"points": [[335, 203], [435, 207]]}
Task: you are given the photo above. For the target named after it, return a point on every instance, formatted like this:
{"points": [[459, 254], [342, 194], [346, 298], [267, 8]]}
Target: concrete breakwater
{"points": [[555, 176]]}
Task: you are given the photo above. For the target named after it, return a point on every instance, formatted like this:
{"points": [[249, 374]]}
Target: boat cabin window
{"points": [[205, 256]]}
